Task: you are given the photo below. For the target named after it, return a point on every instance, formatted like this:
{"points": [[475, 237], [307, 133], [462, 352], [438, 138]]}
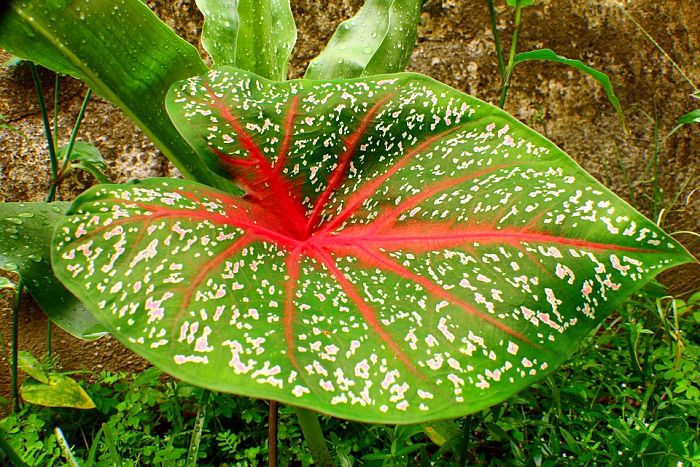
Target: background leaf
{"points": [[82, 151], [30, 365], [61, 391], [253, 35], [402, 252], [550, 56], [94, 42], [691, 117], [6, 283], [378, 39], [25, 239]]}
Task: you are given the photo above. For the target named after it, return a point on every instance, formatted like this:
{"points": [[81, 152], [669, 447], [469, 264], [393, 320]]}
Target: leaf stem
{"points": [[47, 131], [14, 366], [466, 439], [272, 433], [48, 340], [496, 39], [74, 133], [56, 88], [310, 426], [511, 58]]}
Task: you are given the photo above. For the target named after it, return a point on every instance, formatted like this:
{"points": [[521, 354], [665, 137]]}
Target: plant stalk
{"points": [[511, 57], [47, 131], [74, 133], [310, 426], [272, 422], [55, 112], [14, 365], [497, 40]]}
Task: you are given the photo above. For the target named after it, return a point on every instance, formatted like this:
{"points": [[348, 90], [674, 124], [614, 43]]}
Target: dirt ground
{"points": [[455, 45]]}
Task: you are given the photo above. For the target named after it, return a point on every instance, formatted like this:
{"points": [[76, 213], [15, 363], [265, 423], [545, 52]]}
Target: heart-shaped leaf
{"points": [[25, 245], [401, 252]]}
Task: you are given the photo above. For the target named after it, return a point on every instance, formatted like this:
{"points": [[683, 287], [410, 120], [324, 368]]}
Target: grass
{"points": [[629, 396]]}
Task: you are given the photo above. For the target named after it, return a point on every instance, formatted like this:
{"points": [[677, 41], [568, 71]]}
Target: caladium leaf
{"points": [[401, 252], [378, 39], [25, 244], [253, 35]]}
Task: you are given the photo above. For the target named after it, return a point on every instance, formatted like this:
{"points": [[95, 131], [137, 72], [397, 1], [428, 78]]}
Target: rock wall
{"points": [[455, 45]]}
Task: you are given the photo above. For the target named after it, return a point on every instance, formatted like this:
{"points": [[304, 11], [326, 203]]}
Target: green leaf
{"points": [[30, 365], [523, 3], [688, 119], [378, 39], [86, 157], [401, 252], [691, 117], [25, 239], [550, 56], [6, 283], [253, 35], [125, 54], [82, 151], [11, 62], [61, 391]]}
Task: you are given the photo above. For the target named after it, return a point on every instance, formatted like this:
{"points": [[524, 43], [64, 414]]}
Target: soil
{"points": [[455, 45]]}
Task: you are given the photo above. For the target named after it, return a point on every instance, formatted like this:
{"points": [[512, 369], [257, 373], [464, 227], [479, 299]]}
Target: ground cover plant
{"points": [[376, 247]]}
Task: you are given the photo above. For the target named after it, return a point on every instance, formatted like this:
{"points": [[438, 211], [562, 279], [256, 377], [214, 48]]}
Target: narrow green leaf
{"points": [[124, 53], [30, 365], [61, 391], [25, 239], [378, 39], [550, 56], [110, 439], [253, 35], [401, 252], [691, 117]]}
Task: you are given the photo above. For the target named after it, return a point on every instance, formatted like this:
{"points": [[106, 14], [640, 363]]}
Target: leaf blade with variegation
{"points": [[402, 252]]}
